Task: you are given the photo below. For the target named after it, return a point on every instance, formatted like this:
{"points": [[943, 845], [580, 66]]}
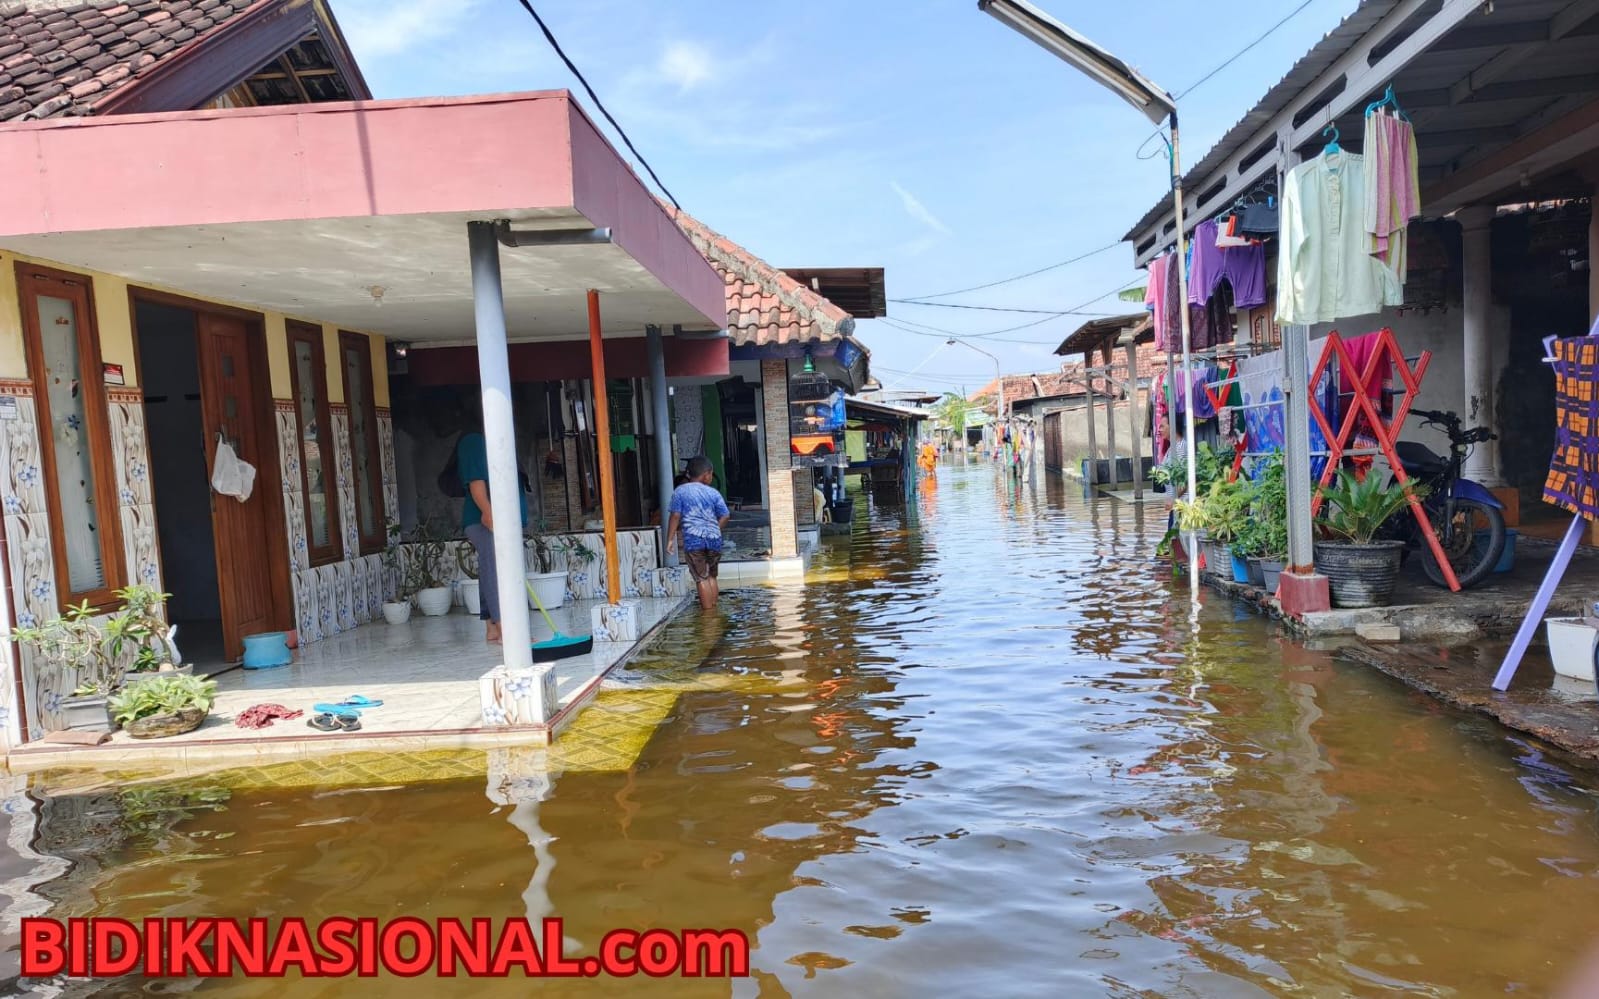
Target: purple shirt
{"points": [[1243, 267]]}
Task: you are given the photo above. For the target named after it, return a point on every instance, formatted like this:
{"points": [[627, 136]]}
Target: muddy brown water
{"points": [[983, 753]]}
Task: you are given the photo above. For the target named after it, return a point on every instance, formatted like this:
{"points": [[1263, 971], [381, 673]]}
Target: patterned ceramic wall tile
{"points": [[307, 616], [33, 586], [375, 575], [517, 697], [615, 622], [345, 606], [344, 477], [130, 450], [22, 477], [674, 581], [386, 450], [294, 522], [142, 545], [327, 601]]}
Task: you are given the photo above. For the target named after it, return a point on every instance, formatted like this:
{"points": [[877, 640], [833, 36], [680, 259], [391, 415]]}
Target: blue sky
{"points": [[916, 135]]}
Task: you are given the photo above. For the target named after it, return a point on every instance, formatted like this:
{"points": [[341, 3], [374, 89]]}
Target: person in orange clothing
{"points": [[928, 459]]}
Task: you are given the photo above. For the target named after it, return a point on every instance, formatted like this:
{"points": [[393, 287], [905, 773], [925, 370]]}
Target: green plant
{"points": [[1251, 539], [75, 640], [138, 632], [161, 695], [1210, 466], [1355, 509], [1192, 515], [547, 545], [1227, 508], [466, 559], [1270, 509], [416, 561]]}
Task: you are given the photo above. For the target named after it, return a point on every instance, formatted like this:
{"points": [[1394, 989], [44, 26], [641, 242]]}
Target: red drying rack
{"points": [[1363, 380]]}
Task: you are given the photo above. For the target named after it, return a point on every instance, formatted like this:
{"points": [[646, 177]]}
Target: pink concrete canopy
{"points": [[356, 213]]}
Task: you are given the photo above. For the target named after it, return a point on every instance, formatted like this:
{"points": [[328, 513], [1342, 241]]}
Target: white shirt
{"points": [[1325, 270]]}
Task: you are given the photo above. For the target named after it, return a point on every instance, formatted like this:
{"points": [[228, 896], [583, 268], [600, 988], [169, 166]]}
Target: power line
{"points": [[1245, 50], [1229, 61], [1005, 308], [550, 36], [987, 333], [1018, 277]]}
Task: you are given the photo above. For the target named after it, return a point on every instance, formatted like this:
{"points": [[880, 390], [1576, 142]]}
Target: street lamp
{"points": [[999, 379], [1155, 104]]}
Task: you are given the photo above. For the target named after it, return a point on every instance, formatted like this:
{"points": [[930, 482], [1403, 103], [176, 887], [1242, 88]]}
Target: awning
{"points": [[356, 213]]}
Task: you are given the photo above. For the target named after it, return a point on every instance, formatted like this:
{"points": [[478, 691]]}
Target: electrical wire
{"points": [[1139, 152], [1018, 277], [550, 37], [1006, 308]]}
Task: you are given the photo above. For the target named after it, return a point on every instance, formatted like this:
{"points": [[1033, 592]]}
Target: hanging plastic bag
{"points": [[229, 475]]}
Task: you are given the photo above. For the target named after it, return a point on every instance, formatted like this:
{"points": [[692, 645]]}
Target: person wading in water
{"points": [[699, 513]]}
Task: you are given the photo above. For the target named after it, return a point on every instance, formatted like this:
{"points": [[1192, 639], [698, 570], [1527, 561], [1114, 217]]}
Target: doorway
{"points": [[202, 386]]}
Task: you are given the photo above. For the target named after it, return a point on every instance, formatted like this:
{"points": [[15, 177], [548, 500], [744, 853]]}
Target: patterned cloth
{"points": [[261, 715], [1573, 482]]}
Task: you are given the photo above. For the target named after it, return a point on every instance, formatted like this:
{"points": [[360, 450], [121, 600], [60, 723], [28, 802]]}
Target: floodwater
{"points": [[983, 754]]}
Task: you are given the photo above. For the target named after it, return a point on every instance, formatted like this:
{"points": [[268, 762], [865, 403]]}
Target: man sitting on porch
{"points": [[472, 463], [700, 513]]}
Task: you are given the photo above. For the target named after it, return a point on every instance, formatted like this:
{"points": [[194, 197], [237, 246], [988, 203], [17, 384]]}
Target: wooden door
{"points": [[229, 400]]}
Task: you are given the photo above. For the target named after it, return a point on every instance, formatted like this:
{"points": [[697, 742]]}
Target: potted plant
{"points": [[1226, 516], [1246, 549], [398, 610], [140, 638], [163, 705], [466, 561], [76, 642], [549, 583], [426, 561], [1360, 568], [1271, 513]]}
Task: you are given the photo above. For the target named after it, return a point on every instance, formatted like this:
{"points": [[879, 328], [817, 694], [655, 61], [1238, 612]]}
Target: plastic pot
{"points": [[1256, 578], [1270, 569], [471, 596], [434, 601], [1240, 568], [1360, 575], [396, 611], [550, 587]]}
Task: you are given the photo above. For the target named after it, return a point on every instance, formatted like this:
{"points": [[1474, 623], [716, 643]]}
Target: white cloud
{"points": [[687, 64], [381, 28], [917, 210]]}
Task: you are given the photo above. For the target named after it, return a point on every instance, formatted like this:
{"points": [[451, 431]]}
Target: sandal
{"points": [[323, 722], [357, 701], [349, 723], [339, 708]]}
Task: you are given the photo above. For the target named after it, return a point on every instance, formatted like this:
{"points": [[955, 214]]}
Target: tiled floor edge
{"points": [[581, 699]]}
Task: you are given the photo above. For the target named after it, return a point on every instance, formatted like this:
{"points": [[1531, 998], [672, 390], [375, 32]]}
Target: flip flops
{"points": [[357, 701], [326, 721]]}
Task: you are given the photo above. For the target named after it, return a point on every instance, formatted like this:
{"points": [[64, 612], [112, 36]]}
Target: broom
{"points": [[558, 646]]}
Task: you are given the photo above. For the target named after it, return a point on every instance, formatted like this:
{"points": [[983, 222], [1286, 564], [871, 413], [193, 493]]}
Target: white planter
{"points": [[396, 611], [1572, 641], [470, 597], [551, 588], [433, 601]]}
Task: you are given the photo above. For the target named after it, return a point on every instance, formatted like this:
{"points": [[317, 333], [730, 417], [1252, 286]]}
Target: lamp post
{"points": [[1155, 104], [999, 380]]}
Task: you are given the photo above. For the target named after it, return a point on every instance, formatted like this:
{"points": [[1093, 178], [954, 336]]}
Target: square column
{"points": [[779, 463]]}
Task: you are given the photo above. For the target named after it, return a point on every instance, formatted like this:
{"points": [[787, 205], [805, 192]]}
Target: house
{"points": [[259, 293]]}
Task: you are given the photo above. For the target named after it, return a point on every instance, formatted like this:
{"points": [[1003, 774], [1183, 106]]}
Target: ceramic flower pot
{"points": [[471, 597], [157, 726], [396, 611], [434, 601], [87, 714]]}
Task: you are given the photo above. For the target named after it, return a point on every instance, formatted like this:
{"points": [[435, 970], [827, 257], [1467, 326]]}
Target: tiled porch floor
{"points": [[426, 673]]}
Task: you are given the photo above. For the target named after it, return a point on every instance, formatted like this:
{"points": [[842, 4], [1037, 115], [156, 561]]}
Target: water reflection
{"points": [[985, 756]]}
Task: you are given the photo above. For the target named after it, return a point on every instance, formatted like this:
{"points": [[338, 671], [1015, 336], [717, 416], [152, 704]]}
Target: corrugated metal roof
{"points": [[1322, 55]]}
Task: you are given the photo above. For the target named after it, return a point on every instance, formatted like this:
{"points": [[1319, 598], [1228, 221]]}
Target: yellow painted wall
{"points": [[114, 321]]}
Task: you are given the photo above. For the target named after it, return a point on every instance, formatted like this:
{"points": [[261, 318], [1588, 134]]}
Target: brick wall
{"points": [[779, 466]]}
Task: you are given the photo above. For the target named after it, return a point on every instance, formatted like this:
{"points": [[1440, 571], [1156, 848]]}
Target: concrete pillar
{"points": [[1107, 359], [662, 418], [1477, 347], [1300, 589], [499, 431], [779, 461], [1091, 473]]}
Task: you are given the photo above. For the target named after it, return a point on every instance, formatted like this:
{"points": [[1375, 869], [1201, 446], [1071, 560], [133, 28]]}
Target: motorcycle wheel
{"points": [[1473, 544]]}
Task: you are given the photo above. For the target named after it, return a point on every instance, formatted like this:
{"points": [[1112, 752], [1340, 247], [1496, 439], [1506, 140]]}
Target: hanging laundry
{"points": [[1155, 301], [1573, 482], [1393, 186], [1242, 267], [1324, 269]]}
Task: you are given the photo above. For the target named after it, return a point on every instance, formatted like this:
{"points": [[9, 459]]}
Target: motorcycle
{"points": [[1468, 520]]}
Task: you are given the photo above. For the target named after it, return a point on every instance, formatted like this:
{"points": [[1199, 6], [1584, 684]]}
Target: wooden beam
{"points": [[602, 431], [1495, 69]]}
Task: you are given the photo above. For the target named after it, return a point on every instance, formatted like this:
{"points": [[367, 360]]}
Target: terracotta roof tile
{"points": [[66, 58], [764, 305]]}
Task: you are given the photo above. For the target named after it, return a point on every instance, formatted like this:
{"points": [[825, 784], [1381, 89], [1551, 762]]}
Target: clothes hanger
{"points": [[1332, 147], [1388, 100]]}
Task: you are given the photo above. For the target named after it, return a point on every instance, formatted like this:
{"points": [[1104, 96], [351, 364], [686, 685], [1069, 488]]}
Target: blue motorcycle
{"points": [[1468, 520]]}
